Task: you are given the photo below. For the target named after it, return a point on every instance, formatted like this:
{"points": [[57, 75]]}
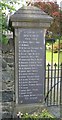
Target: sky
{"points": [[58, 1]]}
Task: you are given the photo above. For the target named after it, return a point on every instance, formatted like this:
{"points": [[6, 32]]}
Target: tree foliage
{"points": [[7, 7], [52, 9]]}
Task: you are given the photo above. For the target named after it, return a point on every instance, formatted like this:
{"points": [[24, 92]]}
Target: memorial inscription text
{"points": [[30, 66]]}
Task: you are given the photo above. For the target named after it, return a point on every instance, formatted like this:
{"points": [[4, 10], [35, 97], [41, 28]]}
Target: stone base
{"points": [[29, 108]]}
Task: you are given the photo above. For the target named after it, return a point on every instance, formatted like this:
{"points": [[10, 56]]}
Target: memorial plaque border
{"points": [[17, 37]]}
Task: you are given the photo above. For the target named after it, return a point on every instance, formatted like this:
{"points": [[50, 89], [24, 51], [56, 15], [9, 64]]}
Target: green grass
{"points": [[55, 57], [35, 116]]}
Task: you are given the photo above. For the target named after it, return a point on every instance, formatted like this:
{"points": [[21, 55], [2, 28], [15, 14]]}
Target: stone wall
{"points": [[8, 79]]}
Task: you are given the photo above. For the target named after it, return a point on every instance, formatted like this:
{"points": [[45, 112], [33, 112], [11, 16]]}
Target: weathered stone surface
{"points": [[9, 59], [8, 47], [4, 64], [6, 115], [5, 49], [30, 14], [7, 96], [7, 82]]}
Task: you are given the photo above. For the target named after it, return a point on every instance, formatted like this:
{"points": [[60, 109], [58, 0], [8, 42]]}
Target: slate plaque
{"points": [[31, 51]]}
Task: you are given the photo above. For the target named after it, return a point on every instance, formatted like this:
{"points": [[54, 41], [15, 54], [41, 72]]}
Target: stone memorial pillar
{"points": [[29, 24]]}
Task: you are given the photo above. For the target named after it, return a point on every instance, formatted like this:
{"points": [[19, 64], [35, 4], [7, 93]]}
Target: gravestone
{"points": [[29, 25]]}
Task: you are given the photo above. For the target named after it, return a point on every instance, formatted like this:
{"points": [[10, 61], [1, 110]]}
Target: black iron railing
{"points": [[53, 84]]}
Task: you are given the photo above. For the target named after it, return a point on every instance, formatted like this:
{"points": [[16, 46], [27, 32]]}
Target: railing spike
{"points": [[55, 64], [61, 64], [48, 65]]}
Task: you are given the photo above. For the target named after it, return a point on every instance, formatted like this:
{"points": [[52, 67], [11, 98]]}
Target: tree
{"points": [[6, 8], [52, 9]]}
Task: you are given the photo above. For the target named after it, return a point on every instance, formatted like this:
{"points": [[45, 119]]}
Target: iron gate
{"points": [[53, 73]]}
